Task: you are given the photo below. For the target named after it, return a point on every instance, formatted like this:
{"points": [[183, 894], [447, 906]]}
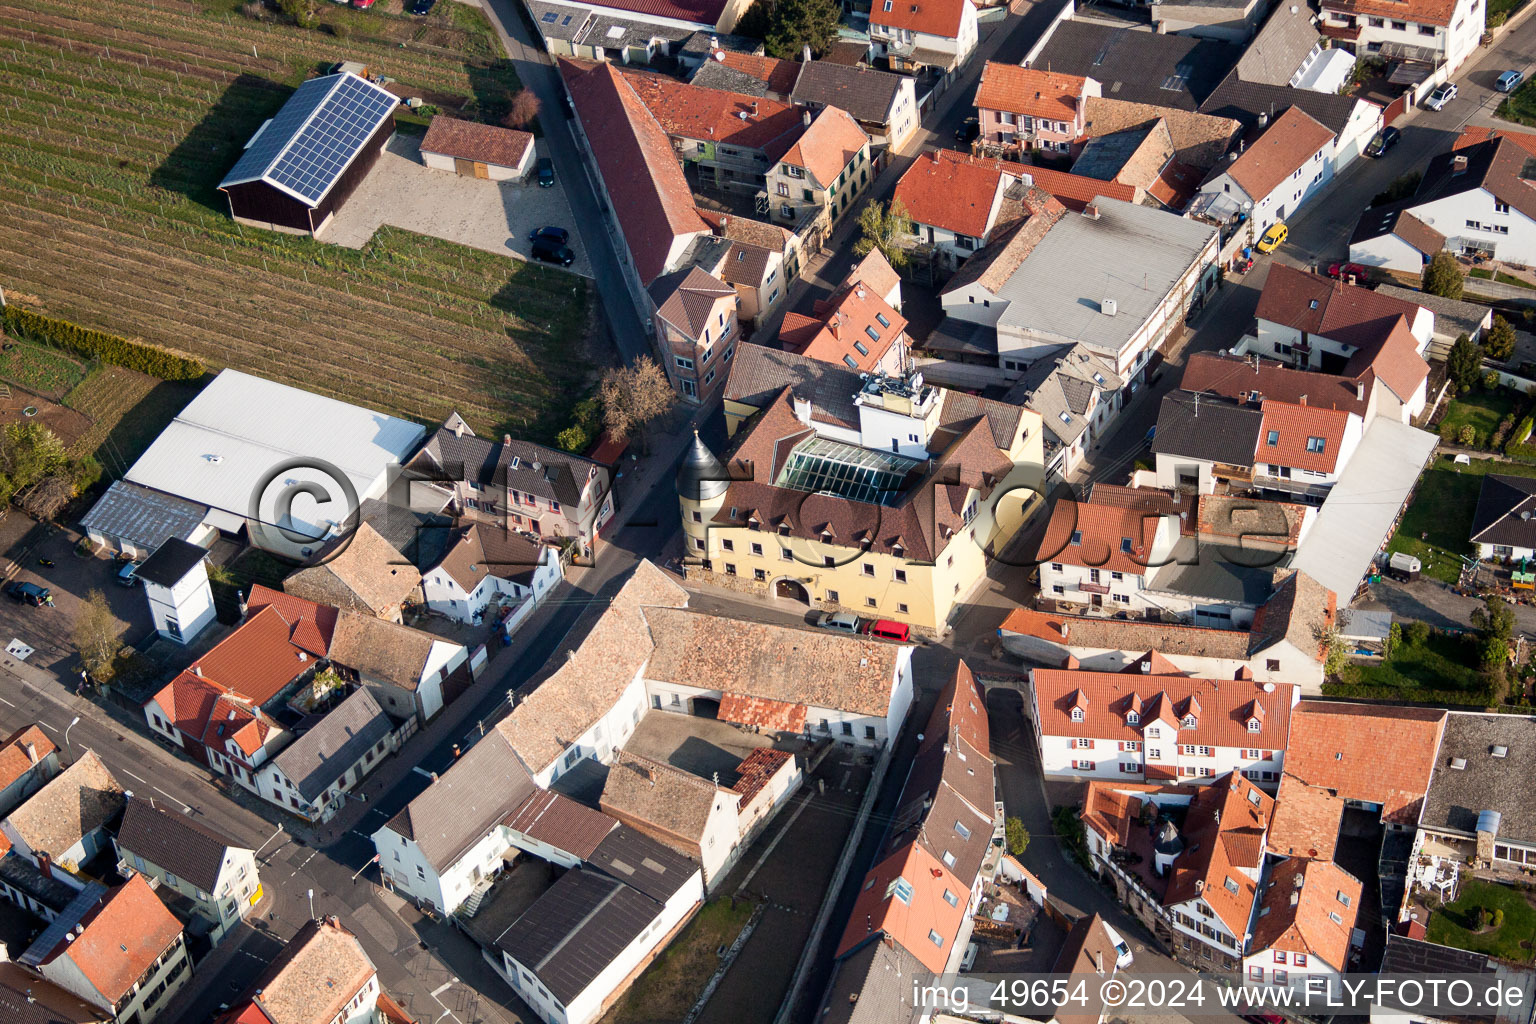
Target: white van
{"points": [[1123, 958]]}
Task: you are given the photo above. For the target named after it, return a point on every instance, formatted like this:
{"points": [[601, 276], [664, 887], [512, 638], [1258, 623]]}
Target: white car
{"points": [[969, 959], [1123, 957], [1442, 95], [843, 622]]}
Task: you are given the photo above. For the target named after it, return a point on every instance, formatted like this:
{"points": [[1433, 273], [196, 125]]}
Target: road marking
{"points": [[133, 776], [787, 825], [441, 989], [174, 799], [7, 703]]}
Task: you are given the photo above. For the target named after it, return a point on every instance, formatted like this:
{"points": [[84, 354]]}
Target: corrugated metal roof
{"points": [[144, 518]]}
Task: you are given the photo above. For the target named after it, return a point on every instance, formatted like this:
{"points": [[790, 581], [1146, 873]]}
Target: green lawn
{"points": [[1438, 524], [669, 987], [1453, 925], [1501, 277], [1505, 7], [1483, 410], [1520, 105], [1441, 663]]}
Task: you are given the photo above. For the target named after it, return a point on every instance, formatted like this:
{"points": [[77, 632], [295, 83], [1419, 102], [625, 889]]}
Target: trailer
{"points": [[1403, 567]]}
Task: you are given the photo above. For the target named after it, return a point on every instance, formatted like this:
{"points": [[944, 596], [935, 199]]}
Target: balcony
{"points": [[1093, 588], [1290, 485]]}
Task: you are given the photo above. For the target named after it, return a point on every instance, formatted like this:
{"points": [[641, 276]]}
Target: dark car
{"points": [[30, 593], [1384, 140], [547, 250], [550, 232], [546, 172], [422, 6], [969, 129]]}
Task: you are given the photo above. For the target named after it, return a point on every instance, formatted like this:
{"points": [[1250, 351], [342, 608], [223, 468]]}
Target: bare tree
{"points": [[525, 107], [635, 396], [96, 636]]}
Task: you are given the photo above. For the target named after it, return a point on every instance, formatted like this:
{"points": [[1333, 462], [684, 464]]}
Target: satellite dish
{"points": [[720, 56], [1269, 687]]}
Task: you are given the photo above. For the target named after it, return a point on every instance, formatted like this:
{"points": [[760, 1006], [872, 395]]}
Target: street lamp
{"points": [[71, 725]]}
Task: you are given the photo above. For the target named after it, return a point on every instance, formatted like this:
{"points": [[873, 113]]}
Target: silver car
{"points": [[843, 622], [1442, 95]]}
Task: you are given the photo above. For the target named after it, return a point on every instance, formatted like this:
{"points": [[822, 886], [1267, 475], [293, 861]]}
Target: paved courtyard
{"points": [[702, 746], [492, 215]]}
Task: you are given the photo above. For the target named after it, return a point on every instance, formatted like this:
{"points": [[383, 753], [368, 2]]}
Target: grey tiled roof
{"points": [[873, 986], [560, 475], [1135, 66], [171, 840], [642, 863], [758, 374], [1206, 429], [1452, 316], [1487, 782], [141, 516], [1246, 102], [316, 759], [865, 93], [714, 75], [1282, 44]]}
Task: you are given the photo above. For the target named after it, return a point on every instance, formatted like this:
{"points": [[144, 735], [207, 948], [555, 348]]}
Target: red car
{"points": [[1341, 271], [362, 5]]}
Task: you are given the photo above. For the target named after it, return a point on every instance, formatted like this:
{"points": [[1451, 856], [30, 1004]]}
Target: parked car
{"points": [[30, 593], [969, 959], [1123, 957], [1509, 81], [546, 172], [547, 250], [843, 622], [1442, 95], [1383, 141], [128, 575], [362, 5], [1344, 271], [551, 232], [885, 629], [1274, 238], [969, 129], [423, 6]]}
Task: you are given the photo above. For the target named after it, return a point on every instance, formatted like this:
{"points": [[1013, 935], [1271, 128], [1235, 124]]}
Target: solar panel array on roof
{"points": [[316, 135]]}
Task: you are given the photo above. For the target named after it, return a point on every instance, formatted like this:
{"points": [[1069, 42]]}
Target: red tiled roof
{"points": [[1222, 708], [831, 140], [1301, 895], [935, 17], [1474, 134], [954, 192], [1368, 753], [1342, 312], [1296, 429], [1223, 840], [1217, 373], [639, 169], [123, 936], [715, 115], [472, 140], [1288, 143], [1425, 12], [1397, 363], [1021, 90], [844, 326], [913, 872], [264, 655], [756, 770], [1104, 530], [773, 715], [1306, 821], [14, 760], [1100, 633]]}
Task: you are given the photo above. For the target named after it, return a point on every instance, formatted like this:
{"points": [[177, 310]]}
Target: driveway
{"points": [[496, 216]]}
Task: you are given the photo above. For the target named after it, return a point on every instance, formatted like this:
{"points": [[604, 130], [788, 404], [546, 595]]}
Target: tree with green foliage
{"points": [[1499, 344], [1464, 364], [756, 20], [796, 24], [886, 229], [1443, 276], [1495, 619], [1017, 835], [1417, 633], [1337, 653]]}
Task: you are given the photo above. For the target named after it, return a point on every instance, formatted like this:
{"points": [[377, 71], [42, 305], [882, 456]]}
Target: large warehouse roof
{"points": [[241, 436], [315, 137]]}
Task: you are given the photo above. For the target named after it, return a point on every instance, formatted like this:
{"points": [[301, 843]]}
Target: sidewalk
{"points": [[456, 719]]}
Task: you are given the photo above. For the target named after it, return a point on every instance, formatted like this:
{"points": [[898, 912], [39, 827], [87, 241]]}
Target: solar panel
{"points": [[315, 136]]}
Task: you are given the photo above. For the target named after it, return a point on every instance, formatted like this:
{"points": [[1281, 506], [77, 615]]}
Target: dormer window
{"points": [[1077, 714], [898, 550], [1132, 718], [1189, 721], [1254, 725], [783, 529]]}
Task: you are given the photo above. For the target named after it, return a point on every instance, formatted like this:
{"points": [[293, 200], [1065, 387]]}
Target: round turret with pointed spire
{"points": [[701, 476]]}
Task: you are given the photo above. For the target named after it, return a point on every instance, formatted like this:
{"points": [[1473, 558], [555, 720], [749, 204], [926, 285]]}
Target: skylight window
{"points": [[860, 348], [883, 321], [901, 889], [874, 335], [1077, 536]]}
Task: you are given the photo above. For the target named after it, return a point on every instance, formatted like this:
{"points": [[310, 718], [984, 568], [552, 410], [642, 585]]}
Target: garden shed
{"points": [[475, 150]]}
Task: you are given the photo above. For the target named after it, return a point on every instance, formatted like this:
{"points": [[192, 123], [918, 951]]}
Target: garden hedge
{"points": [[1449, 698], [98, 345]]}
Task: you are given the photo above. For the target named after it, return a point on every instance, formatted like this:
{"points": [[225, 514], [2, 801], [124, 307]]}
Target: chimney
{"points": [[31, 749], [805, 118], [198, 669], [754, 108], [1064, 629], [1091, 211], [1098, 961], [1359, 390], [458, 428], [1302, 400], [1295, 897], [1459, 163], [506, 439], [805, 53]]}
